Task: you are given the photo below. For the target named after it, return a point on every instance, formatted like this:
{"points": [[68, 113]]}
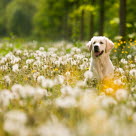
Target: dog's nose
{"points": [[96, 48]]}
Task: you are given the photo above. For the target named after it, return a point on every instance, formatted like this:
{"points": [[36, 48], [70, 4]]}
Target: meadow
{"points": [[43, 93]]}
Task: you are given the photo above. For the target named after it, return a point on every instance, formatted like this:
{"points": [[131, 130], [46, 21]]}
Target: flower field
{"points": [[43, 93]]}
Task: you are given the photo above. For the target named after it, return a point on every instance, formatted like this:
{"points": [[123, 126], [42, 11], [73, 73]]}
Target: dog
{"points": [[101, 65]]}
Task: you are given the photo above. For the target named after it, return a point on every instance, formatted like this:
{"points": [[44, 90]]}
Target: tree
{"points": [[51, 19], [82, 25], [131, 19], [101, 17], [75, 19], [3, 5], [19, 17], [122, 15], [92, 20], [67, 19]]}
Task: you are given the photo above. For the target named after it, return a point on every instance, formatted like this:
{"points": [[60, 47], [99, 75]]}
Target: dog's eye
{"points": [[101, 42], [94, 42]]}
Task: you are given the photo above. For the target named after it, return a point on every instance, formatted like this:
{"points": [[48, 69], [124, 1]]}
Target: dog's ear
{"points": [[109, 45], [89, 45]]}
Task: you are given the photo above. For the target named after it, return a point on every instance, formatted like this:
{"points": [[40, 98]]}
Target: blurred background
{"points": [[67, 19]]}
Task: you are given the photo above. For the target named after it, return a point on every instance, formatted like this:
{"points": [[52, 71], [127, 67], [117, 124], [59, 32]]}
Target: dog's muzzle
{"points": [[97, 52]]}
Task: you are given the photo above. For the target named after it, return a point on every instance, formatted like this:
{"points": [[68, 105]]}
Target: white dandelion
{"points": [[15, 68], [121, 95]]}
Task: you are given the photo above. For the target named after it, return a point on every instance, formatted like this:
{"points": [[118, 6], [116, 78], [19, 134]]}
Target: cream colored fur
{"points": [[101, 66]]}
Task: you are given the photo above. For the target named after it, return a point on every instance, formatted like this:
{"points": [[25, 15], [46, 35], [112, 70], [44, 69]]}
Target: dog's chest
{"points": [[100, 64]]}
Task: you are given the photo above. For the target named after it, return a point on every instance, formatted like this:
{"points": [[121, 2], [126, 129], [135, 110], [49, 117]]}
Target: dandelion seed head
{"points": [[41, 48], [44, 67], [120, 70], [129, 56], [109, 90], [133, 72], [29, 61], [118, 82], [15, 68], [132, 65], [7, 79], [40, 79], [14, 123], [48, 83], [108, 101], [88, 74], [121, 95], [123, 61], [59, 79], [66, 102], [54, 128], [5, 97], [67, 74]]}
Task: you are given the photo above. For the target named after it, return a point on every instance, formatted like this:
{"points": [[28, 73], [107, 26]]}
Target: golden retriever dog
{"points": [[101, 65]]}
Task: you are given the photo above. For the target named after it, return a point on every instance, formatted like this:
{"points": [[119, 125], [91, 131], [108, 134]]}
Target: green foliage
{"points": [[131, 18], [3, 4], [63, 19], [19, 17], [51, 18]]}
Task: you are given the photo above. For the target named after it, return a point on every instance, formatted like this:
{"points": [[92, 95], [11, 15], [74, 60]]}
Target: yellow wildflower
{"points": [[56, 69], [122, 52], [33, 71]]}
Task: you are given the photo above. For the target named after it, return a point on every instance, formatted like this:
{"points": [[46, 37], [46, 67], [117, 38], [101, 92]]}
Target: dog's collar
{"points": [[100, 54]]}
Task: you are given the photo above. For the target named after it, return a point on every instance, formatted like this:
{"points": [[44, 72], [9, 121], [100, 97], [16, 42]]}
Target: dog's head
{"points": [[100, 45]]}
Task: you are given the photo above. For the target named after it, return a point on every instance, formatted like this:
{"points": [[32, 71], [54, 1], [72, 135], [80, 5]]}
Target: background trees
{"points": [[92, 19], [122, 15], [101, 18], [67, 19], [19, 17], [3, 4]]}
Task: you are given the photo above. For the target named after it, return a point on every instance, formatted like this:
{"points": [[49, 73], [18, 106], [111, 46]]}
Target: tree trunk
{"points": [[82, 26], [92, 21], [101, 21], [65, 26], [122, 15]]}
